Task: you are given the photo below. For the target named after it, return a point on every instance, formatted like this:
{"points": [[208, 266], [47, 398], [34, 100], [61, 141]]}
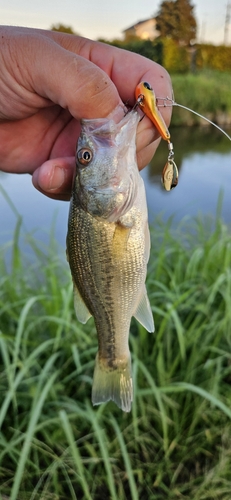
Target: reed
{"points": [[207, 92], [176, 441]]}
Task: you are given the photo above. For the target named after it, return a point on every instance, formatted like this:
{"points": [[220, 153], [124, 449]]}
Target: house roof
{"points": [[138, 23]]}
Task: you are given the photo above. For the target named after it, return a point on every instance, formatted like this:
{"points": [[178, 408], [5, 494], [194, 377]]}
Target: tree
{"points": [[175, 19], [63, 29]]}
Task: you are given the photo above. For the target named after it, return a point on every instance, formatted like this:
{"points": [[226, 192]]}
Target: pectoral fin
{"points": [[81, 310], [147, 242], [120, 240], [143, 313]]}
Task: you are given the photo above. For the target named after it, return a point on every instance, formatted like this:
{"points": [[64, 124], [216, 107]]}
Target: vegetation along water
{"points": [[207, 92]]}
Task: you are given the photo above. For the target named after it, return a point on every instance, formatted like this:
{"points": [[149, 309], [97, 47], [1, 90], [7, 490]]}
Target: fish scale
{"points": [[108, 281]]}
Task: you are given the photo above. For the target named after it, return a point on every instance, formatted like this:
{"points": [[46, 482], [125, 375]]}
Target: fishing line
{"points": [[174, 103]]}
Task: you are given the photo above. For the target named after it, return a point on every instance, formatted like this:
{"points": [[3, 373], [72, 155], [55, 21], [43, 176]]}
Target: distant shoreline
{"points": [[206, 92], [220, 118]]}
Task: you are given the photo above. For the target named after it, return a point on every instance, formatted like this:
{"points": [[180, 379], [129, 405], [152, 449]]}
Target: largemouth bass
{"points": [[108, 246]]}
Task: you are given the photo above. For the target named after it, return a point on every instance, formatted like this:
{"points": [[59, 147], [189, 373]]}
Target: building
{"points": [[146, 30]]}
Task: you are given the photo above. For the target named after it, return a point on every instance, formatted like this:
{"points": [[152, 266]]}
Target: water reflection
{"points": [[203, 157], [187, 141], [37, 212]]}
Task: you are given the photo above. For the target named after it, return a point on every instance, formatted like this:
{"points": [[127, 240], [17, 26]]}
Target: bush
{"points": [[213, 57], [176, 59], [151, 49]]}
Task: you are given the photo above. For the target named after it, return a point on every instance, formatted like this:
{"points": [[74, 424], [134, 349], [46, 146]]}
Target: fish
{"points": [[108, 247]]}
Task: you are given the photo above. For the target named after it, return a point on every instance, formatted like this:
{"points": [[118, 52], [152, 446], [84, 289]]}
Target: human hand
{"points": [[49, 81]]}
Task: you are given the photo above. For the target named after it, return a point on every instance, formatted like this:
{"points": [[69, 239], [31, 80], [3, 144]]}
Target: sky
{"points": [[106, 19]]}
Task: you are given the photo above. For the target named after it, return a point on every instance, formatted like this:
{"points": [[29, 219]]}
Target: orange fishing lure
{"points": [[146, 101]]}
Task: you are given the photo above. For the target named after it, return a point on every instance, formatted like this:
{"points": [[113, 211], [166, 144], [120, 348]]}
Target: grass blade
{"points": [[127, 462], [29, 436], [75, 453]]}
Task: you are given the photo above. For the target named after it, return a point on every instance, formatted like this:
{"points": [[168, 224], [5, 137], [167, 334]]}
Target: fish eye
{"points": [[147, 86], [84, 156]]}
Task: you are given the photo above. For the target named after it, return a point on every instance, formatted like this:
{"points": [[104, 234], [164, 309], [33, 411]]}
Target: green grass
{"points": [[207, 92], [176, 442]]}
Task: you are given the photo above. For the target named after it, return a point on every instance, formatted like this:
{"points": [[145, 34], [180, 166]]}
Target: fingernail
{"points": [[57, 178], [118, 113]]}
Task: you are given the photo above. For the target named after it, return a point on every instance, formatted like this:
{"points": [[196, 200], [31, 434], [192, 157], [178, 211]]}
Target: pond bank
{"points": [[207, 93], [181, 117]]}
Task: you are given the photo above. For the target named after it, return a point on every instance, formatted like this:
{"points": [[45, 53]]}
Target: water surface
{"points": [[203, 156]]}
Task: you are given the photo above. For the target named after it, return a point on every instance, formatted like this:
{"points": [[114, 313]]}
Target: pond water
{"points": [[203, 156]]}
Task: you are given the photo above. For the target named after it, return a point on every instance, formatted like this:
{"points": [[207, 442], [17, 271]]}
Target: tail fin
{"points": [[115, 384]]}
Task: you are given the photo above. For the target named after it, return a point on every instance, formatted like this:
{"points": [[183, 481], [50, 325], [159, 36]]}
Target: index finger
{"points": [[126, 69]]}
